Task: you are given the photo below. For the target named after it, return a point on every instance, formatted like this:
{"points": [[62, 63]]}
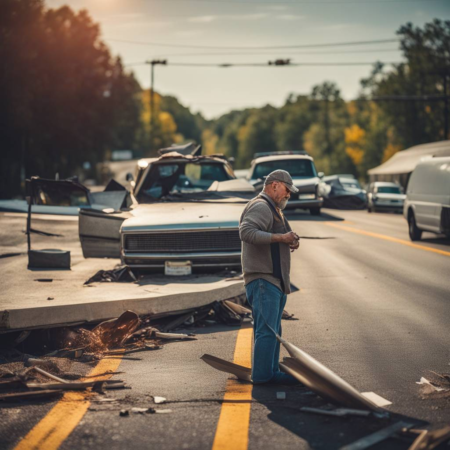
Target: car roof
{"points": [[385, 183], [182, 158], [263, 159]]}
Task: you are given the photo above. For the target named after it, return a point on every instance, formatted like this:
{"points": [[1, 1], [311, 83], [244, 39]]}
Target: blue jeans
{"points": [[267, 302]]}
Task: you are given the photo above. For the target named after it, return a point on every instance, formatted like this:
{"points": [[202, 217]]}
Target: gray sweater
{"points": [[258, 222]]}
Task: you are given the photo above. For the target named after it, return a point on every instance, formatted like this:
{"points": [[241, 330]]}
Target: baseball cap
{"points": [[283, 177]]}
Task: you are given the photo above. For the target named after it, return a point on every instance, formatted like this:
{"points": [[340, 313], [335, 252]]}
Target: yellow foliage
{"points": [[355, 154], [390, 151], [354, 135], [209, 141], [355, 139], [168, 125], [145, 99]]}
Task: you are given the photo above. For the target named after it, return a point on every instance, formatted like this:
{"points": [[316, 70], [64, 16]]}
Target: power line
{"points": [[336, 44], [266, 53], [304, 2], [290, 64]]}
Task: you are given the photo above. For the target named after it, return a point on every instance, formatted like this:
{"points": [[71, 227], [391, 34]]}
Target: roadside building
{"points": [[398, 169]]}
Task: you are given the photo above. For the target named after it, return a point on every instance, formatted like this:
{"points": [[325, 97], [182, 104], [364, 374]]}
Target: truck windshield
{"points": [[297, 168], [165, 179], [389, 190]]}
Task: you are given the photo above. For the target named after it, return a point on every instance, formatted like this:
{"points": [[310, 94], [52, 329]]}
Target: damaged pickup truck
{"points": [[185, 208]]}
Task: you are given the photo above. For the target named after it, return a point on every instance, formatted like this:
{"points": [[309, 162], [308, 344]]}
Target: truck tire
{"points": [[315, 211], [414, 233]]}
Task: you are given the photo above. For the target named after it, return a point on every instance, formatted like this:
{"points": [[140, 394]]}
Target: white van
{"points": [[427, 203]]}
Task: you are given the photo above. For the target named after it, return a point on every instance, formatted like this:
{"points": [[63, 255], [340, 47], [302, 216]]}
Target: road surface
{"points": [[372, 306]]}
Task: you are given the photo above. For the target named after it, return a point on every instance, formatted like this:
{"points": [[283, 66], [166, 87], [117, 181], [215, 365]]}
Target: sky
{"points": [[136, 30]]}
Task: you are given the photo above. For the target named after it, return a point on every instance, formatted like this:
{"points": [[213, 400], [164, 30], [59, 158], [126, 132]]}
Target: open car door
{"points": [[100, 213], [100, 232]]}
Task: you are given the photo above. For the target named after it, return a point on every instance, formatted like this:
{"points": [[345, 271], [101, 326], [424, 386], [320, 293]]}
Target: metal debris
{"points": [[114, 332], [243, 373], [377, 437], [428, 440], [322, 380], [121, 273], [30, 395]]}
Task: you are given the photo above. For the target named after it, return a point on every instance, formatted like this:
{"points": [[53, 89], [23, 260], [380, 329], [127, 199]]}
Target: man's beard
{"points": [[282, 204]]}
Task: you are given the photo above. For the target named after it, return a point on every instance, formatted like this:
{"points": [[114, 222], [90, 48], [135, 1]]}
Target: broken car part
{"points": [[243, 373], [377, 437], [322, 380]]}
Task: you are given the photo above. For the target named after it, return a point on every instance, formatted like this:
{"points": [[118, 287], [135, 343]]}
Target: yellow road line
{"points": [[62, 419], [389, 238], [234, 420]]}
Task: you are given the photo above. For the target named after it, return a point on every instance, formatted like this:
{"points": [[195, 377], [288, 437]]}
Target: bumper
{"points": [[305, 204], [389, 206], [199, 260]]}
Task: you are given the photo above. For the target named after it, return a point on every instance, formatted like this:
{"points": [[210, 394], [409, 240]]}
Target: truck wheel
{"points": [[369, 209], [315, 211], [414, 233]]}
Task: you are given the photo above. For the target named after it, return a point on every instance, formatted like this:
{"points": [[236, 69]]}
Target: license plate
{"points": [[306, 196], [177, 268]]}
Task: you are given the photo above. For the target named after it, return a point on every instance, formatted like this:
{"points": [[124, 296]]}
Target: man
{"points": [[267, 243]]}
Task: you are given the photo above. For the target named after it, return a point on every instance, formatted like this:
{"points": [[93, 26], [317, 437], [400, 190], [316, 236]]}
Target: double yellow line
{"points": [[62, 419]]}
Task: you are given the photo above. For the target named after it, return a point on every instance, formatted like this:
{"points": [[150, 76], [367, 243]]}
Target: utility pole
{"points": [[153, 63]]}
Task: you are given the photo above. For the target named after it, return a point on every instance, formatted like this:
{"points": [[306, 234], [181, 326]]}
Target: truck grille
{"points": [[181, 242]]}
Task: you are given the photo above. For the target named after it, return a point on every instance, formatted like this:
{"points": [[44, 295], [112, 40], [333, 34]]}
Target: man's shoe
{"points": [[284, 378]]}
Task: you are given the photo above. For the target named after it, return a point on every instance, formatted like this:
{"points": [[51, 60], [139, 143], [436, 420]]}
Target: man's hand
{"points": [[290, 238]]}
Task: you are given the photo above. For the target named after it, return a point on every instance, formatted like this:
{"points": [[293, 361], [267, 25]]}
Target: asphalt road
{"points": [[371, 306]]}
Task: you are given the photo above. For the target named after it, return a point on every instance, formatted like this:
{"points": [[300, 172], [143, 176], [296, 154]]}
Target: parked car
{"points": [[186, 211], [427, 203], [343, 193], [385, 196], [303, 172]]}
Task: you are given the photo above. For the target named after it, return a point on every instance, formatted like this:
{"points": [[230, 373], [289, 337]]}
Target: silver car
{"points": [[185, 215], [385, 196]]}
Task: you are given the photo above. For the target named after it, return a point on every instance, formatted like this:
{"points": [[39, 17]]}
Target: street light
{"points": [[153, 63]]}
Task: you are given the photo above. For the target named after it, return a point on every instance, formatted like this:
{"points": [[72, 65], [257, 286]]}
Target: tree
{"points": [[64, 98]]}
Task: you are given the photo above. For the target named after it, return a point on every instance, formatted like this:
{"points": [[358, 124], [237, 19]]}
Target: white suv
{"points": [[303, 172]]}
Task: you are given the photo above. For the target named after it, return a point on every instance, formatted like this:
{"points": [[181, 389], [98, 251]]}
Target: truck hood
{"points": [[183, 216], [306, 185]]}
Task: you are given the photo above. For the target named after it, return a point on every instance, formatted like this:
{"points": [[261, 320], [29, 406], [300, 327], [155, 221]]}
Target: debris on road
{"points": [[243, 373], [159, 400], [124, 413], [438, 387], [322, 380], [377, 437], [428, 440], [281, 395], [116, 331], [118, 274], [345, 412], [19, 396]]}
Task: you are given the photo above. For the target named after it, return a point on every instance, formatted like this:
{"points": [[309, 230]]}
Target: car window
{"points": [[388, 190], [164, 179], [297, 168], [353, 184]]}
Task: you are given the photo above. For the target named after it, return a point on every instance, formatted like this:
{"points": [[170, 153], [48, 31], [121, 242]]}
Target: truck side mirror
{"points": [[129, 177], [320, 175]]}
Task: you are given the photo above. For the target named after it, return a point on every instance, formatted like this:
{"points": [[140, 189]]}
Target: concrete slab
{"points": [[65, 300], [26, 303]]}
